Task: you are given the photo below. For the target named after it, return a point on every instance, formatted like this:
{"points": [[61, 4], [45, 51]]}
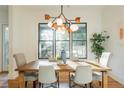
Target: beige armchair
{"points": [[28, 76]]}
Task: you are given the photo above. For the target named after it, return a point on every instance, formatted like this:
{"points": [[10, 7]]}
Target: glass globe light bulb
{"points": [[59, 21], [50, 24], [74, 27]]}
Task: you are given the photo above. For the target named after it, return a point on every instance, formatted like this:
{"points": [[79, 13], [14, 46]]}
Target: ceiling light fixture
{"points": [[61, 23]]}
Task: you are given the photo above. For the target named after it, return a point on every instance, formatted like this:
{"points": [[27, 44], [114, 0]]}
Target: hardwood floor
{"points": [[111, 84], [4, 82], [114, 84]]}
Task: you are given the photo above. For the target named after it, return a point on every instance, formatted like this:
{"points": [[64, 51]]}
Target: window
{"points": [[45, 41], [79, 42], [51, 42]]}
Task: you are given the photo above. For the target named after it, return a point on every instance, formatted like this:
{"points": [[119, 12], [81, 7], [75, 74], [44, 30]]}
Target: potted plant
{"points": [[98, 40]]}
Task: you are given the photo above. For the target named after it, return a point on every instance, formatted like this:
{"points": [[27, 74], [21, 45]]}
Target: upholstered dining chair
{"points": [[82, 77], [47, 75], [28, 76], [104, 59]]}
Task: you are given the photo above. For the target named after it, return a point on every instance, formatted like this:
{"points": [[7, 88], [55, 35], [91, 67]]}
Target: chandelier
{"points": [[61, 23]]}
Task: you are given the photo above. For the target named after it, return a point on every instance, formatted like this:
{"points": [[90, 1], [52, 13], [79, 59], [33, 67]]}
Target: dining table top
{"points": [[69, 66]]}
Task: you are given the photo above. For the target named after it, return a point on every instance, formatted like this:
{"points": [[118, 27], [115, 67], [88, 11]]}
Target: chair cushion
{"points": [[97, 76], [31, 73], [30, 76]]}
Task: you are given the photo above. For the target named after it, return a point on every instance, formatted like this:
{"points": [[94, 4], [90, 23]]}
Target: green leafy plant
{"points": [[58, 57], [98, 40]]}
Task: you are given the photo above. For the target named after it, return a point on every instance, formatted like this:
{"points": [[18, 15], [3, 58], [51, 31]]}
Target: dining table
{"points": [[70, 66]]}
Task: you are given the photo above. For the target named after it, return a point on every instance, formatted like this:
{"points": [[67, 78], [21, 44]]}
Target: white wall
{"points": [[3, 20], [24, 26], [113, 19]]}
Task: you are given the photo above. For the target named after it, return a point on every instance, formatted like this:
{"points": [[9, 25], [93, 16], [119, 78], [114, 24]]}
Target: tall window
{"points": [[45, 41], [52, 42], [79, 42]]}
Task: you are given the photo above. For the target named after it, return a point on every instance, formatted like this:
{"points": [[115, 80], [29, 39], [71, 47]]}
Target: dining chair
{"points": [[28, 75], [82, 77], [104, 59], [48, 76]]}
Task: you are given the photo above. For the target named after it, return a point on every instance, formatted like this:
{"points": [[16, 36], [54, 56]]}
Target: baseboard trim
{"points": [[116, 78]]}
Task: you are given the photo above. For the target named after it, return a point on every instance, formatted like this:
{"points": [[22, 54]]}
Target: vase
{"points": [[63, 56]]}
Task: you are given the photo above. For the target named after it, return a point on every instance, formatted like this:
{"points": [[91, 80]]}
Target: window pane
{"points": [[45, 32], [81, 33], [45, 49], [60, 45], [79, 49], [62, 36]]}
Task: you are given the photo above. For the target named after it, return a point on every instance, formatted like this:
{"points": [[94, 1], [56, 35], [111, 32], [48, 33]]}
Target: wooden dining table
{"points": [[70, 66]]}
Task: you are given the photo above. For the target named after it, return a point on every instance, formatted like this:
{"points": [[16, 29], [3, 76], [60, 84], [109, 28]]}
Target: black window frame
{"points": [[54, 34]]}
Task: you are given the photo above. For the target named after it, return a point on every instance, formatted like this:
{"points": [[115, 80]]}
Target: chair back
{"points": [[20, 59], [104, 58], [47, 74], [83, 74]]}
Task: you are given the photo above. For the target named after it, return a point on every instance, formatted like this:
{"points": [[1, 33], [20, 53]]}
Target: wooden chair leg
{"points": [[70, 85], [58, 80], [42, 85], [58, 84], [26, 83], [34, 84], [100, 83], [39, 84], [91, 86], [69, 81], [85, 85]]}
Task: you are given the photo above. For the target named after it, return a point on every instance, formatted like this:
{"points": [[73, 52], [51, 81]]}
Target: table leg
{"points": [[58, 78], [21, 80], [104, 79], [69, 80]]}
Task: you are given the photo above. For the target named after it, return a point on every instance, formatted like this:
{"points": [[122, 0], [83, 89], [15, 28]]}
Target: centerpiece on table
{"points": [[63, 55]]}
